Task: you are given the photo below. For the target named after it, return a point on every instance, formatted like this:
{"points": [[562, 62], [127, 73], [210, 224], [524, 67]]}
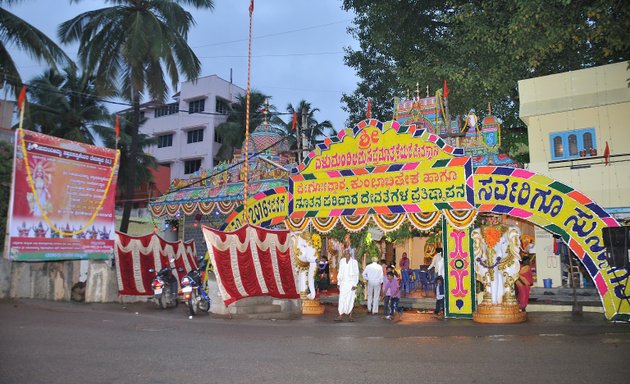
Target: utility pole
{"points": [[298, 142]]}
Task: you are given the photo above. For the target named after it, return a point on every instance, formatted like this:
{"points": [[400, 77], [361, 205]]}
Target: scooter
{"points": [[193, 290], [164, 288]]}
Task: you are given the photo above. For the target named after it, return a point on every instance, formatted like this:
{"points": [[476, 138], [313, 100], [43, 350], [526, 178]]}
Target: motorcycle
{"points": [[193, 290], [165, 287]]}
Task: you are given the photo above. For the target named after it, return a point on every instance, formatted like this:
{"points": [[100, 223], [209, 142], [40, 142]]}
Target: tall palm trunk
{"points": [[131, 164]]}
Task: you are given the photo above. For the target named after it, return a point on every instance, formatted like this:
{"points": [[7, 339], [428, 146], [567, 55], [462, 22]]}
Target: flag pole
{"points": [[246, 166]]}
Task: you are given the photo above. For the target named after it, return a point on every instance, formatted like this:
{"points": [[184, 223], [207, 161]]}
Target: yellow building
{"points": [[571, 119]]}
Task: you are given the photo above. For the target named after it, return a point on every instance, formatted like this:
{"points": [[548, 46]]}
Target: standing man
{"points": [[347, 280], [373, 274]]}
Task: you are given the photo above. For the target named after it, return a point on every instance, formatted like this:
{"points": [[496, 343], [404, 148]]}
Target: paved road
{"points": [[53, 342]]}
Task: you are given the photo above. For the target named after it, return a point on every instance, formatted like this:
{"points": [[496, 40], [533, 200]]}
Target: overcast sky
{"points": [[297, 47]]}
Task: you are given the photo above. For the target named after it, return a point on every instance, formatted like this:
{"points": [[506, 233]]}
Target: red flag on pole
{"points": [[445, 90], [294, 123], [251, 8], [606, 154], [117, 128], [22, 98], [368, 113]]}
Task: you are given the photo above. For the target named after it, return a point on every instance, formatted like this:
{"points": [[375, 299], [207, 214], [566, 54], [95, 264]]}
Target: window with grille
{"points": [[195, 136], [573, 144], [197, 106], [222, 106], [191, 166], [165, 140], [165, 110], [217, 137]]}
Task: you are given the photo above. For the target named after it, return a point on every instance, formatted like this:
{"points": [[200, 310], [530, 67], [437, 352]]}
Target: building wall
{"points": [[597, 98], [179, 124]]}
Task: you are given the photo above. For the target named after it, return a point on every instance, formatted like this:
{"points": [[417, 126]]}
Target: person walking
{"points": [[373, 274], [347, 280]]}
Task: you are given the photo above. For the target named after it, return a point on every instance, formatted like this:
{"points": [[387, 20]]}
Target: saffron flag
{"points": [[117, 128], [445, 89], [294, 123], [22, 98], [368, 113], [252, 261], [251, 8], [606, 154]]}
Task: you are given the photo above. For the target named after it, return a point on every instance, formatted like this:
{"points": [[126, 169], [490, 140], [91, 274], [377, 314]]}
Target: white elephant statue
{"points": [[497, 261], [306, 254]]}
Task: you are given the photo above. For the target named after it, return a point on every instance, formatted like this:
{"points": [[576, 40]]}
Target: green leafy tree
{"points": [[232, 131], [67, 105], [136, 44], [481, 48], [314, 131], [16, 32], [6, 171]]}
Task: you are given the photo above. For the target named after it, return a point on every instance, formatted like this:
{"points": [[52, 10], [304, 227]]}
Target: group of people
{"points": [[380, 280]]}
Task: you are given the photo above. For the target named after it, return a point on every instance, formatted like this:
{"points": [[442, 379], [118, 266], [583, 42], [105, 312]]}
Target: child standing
{"points": [[391, 295], [439, 296]]}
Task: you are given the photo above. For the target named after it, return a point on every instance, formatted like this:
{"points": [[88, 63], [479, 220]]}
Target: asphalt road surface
{"points": [[60, 342]]}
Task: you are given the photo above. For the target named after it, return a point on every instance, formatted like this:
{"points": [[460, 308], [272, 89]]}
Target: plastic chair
{"points": [[407, 282], [416, 275], [424, 281]]}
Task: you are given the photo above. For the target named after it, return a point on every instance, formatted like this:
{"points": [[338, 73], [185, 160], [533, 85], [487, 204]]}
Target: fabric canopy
{"points": [[252, 261], [136, 255]]}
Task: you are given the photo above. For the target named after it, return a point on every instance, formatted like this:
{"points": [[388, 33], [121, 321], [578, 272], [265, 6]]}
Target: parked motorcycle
{"points": [[195, 295], [165, 288]]}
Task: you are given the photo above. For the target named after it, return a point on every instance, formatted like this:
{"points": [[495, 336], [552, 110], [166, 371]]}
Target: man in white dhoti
{"points": [[373, 274], [347, 280]]}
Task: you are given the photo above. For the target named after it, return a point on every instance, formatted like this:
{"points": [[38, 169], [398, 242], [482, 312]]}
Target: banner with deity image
{"points": [[62, 200]]}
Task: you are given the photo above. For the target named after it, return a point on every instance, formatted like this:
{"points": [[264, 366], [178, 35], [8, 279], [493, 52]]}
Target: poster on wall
{"points": [[62, 200]]}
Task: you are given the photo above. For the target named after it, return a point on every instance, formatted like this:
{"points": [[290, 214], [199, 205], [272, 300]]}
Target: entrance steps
{"points": [[259, 308]]}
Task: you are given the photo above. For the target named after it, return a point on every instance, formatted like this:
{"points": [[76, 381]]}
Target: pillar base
{"points": [[312, 307], [499, 314]]}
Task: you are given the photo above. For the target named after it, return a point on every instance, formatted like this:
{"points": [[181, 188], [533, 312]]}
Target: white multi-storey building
{"points": [[185, 128]]}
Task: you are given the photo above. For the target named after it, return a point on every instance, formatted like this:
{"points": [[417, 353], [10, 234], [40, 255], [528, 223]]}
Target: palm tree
{"points": [[144, 161], [17, 32], [135, 44], [232, 131], [67, 105], [314, 131]]}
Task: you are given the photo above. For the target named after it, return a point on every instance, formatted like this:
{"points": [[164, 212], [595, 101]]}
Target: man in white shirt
{"points": [[347, 280], [373, 274]]}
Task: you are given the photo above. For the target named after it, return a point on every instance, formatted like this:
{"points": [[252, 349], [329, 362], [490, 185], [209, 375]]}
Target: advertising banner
{"points": [[265, 209], [62, 200], [459, 272], [401, 169]]}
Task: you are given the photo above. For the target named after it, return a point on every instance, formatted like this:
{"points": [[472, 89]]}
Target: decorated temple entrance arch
{"points": [[385, 173]]}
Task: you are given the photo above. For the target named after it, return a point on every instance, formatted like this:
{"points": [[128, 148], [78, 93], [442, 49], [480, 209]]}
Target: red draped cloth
{"points": [[252, 261], [523, 285]]}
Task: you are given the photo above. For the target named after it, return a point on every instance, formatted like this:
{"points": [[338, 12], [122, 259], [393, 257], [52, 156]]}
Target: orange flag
{"points": [[368, 114], [117, 128], [606, 154], [294, 123], [251, 8], [445, 91], [22, 98]]}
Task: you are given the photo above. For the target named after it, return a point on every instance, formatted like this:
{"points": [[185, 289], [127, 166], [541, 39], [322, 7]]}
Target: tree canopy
{"points": [[482, 48]]}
